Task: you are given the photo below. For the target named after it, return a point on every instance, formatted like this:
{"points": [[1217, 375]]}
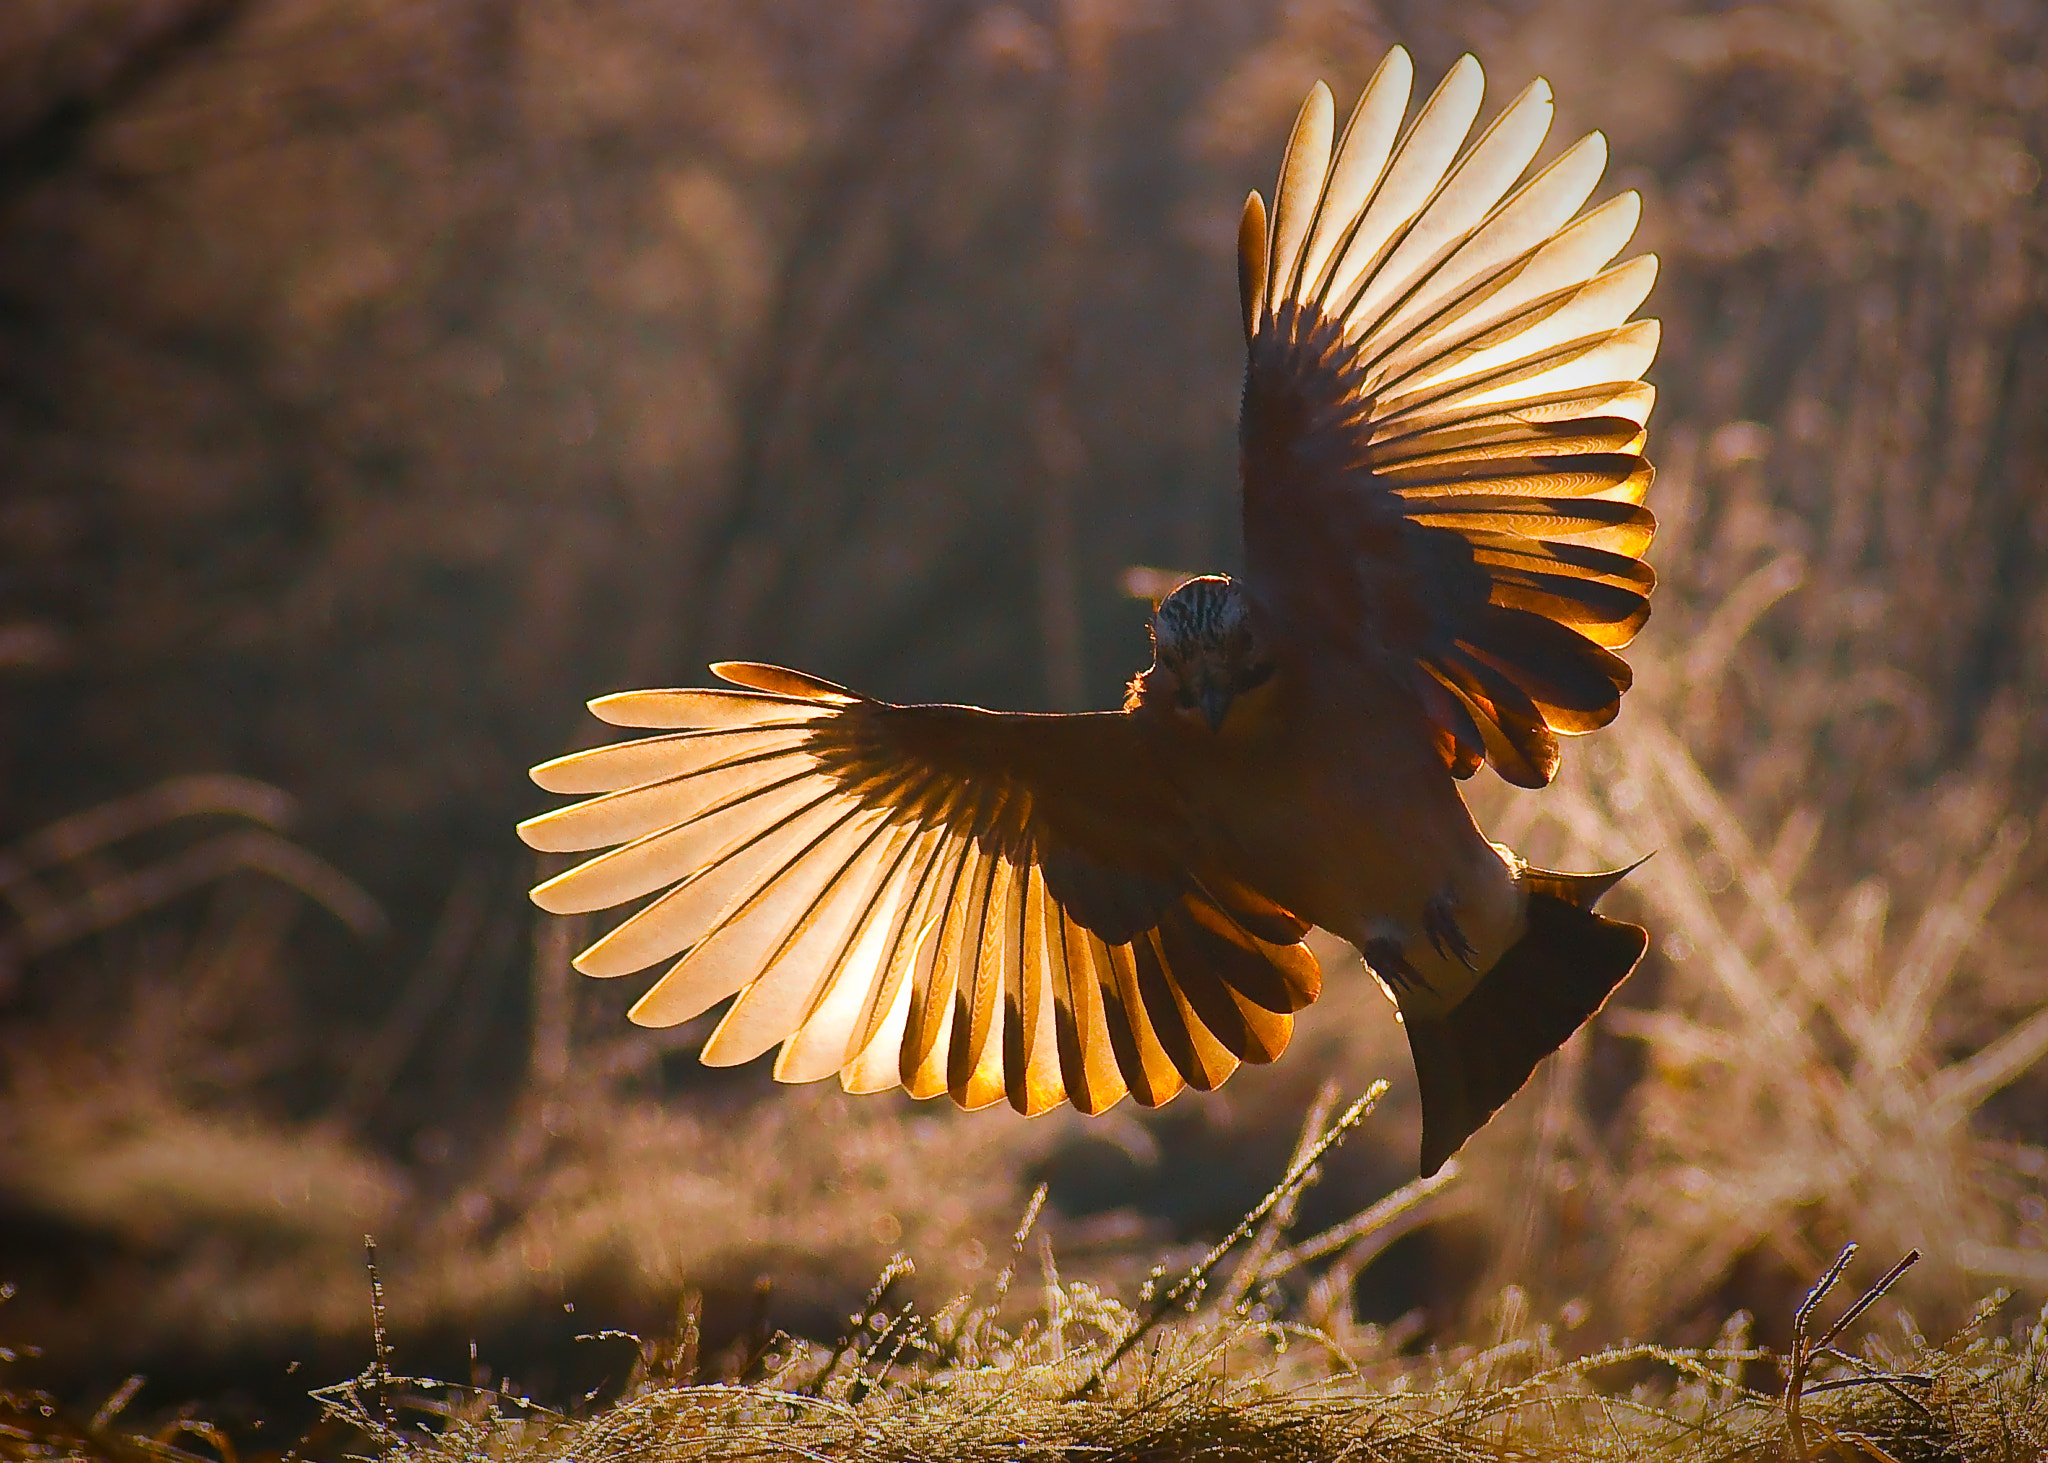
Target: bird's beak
{"points": [[1215, 706]]}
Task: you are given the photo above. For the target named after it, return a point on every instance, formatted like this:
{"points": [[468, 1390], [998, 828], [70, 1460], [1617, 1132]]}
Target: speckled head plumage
{"points": [[1206, 651]]}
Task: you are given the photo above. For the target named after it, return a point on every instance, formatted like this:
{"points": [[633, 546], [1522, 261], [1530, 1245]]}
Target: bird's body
{"points": [[1330, 788], [1442, 471]]}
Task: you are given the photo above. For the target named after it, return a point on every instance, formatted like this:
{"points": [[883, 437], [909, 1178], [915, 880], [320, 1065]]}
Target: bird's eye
{"points": [[1256, 675]]}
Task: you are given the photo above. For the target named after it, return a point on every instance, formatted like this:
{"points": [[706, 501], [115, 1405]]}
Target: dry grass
{"points": [[1064, 1379], [971, 1384], [1040, 1365]]}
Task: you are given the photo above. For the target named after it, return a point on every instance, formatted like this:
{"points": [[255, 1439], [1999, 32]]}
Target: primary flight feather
{"points": [[1443, 478]]}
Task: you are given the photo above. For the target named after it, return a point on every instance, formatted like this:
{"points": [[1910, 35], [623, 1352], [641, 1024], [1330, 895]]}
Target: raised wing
{"points": [[956, 900], [1443, 414]]}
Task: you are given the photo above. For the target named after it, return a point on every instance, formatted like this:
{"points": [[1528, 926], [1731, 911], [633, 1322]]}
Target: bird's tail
{"points": [[1547, 985]]}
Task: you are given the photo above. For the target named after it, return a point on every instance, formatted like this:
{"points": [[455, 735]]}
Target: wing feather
{"points": [[1154, 1076], [911, 909], [1191, 965], [786, 936], [777, 910], [1411, 179], [1251, 262], [1499, 268], [1444, 417], [1258, 957], [877, 1067], [1302, 170], [974, 1068], [1090, 1057], [1202, 1060], [955, 901], [780, 680], [633, 812], [742, 820], [1205, 945], [1464, 198], [696, 707], [1031, 1054], [1530, 290], [849, 959], [656, 759], [1604, 410], [1162, 1010], [927, 1041], [1361, 162], [1519, 742], [1579, 312]]}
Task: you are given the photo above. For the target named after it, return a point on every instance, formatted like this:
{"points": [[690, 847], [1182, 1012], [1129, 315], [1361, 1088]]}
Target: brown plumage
{"points": [[1443, 478]]}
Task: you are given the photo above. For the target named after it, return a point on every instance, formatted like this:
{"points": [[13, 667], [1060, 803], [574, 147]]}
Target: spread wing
{"points": [[958, 900], [1443, 414]]}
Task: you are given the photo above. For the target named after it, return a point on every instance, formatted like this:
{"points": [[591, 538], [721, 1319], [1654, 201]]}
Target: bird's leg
{"points": [[1440, 923], [1388, 962]]}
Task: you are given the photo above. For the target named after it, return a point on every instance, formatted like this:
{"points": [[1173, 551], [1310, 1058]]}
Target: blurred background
{"points": [[379, 379]]}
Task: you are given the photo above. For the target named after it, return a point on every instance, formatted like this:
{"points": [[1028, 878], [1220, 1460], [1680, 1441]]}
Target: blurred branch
{"points": [[817, 293], [1736, 615], [1943, 933], [1806, 1350], [1961, 1088], [77, 848], [119, 897], [62, 68], [84, 832], [553, 1001], [385, 1053]]}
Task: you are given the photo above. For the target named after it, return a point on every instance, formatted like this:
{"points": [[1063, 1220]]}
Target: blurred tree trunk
{"points": [[63, 64]]}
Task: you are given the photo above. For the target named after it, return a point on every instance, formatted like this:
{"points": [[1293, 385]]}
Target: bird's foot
{"points": [[1388, 962], [1440, 923]]}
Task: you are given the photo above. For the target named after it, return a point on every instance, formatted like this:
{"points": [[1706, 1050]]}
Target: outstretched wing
{"points": [[958, 900], [1443, 414]]}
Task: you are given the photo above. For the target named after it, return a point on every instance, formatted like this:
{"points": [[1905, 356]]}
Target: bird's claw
{"points": [[1440, 923], [1388, 962]]}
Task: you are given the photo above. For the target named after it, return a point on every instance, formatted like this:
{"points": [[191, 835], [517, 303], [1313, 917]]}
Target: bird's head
{"points": [[1206, 653]]}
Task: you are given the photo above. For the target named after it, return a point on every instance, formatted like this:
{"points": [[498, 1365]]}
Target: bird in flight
{"points": [[1441, 455]]}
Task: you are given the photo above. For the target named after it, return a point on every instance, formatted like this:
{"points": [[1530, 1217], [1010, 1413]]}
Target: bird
{"points": [[1442, 473]]}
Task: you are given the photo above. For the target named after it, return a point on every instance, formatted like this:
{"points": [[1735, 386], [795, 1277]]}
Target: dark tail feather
{"points": [[1548, 984], [1581, 891]]}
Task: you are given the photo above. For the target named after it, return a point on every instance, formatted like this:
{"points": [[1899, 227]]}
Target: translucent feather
{"points": [[739, 819], [653, 759], [1581, 312], [1465, 197], [1360, 163], [1303, 168], [1031, 1059], [695, 707], [1481, 265], [1412, 178], [1576, 253], [634, 812], [1153, 1077]]}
